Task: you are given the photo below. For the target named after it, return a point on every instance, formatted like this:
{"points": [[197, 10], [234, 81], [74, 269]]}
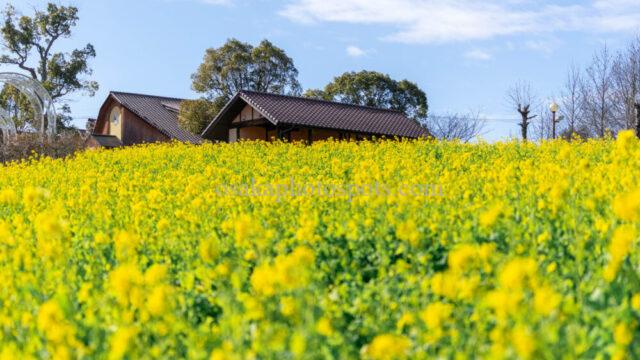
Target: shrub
{"points": [[28, 145]]}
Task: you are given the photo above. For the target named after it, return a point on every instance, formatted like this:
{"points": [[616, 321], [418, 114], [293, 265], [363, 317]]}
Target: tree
{"points": [[195, 115], [29, 44], [370, 88], [571, 101], [456, 126], [239, 66], [233, 67], [542, 124], [316, 94], [598, 95], [626, 84], [522, 99], [18, 107]]}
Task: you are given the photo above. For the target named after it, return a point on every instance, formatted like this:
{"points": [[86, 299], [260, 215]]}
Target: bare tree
{"points": [[542, 125], [571, 100], [626, 84], [598, 94], [456, 126], [523, 100]]}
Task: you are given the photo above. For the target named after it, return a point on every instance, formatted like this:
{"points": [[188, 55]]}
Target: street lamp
{"points": [[554, 107]]}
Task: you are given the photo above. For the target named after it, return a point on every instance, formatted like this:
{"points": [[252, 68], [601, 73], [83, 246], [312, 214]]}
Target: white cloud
{"points": [[355, 51], [477, 54], [542, 46], [434, 21]]}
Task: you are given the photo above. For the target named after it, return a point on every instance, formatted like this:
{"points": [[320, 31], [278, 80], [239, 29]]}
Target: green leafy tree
{"points": [[317, 94], [18, 106], [29, 44], [195, 115], [239, 66], [233, 67], [370, 88]]}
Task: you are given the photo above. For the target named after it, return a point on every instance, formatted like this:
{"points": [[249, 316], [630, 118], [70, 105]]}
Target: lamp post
{"points": [[554, 110], [637, 104]]}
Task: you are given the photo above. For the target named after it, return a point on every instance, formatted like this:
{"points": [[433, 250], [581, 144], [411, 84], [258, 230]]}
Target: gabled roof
{"points": [[159, 112], [106, 141], [291, 110]]}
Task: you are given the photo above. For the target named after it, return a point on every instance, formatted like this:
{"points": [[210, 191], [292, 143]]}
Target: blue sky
{"points": [[464, 53]]}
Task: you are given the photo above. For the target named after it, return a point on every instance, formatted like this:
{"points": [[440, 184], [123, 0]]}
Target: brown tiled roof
{"points": [[160, 112], [107, 141], [291, 110]]}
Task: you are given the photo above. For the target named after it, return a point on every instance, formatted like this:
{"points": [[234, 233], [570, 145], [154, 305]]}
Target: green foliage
{"points": [[195, 115], [17, 105], [240, 66], [29, 44], [370, 88], [316, 94]]}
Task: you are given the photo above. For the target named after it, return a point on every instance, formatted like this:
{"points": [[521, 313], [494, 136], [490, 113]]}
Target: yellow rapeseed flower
{"points": [[622, 335], [323, 327], [123, 281], [158, 300], [408, 231], [155, 274], [388, 347], [489, 218], [621, 242], [121, 342], [626, 140], [126, 245], [627, 206], [135, 252], [546, 300], [518, 273], [34, 196], [523, 342], [8, 197], [436, 314], [51, 321], [635, 301]]}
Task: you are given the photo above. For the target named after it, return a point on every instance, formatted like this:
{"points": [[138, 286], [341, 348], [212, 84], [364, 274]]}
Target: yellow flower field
{"points": [[372, 250]]}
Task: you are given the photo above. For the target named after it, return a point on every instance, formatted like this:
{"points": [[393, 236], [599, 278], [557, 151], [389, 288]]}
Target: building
{"points": [[136, 118], [260, 116], [128, 119]]}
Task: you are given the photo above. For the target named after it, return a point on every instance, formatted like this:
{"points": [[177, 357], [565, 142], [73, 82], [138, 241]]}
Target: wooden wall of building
{"points": [[253, 133], [298, 134], [131, 130]]}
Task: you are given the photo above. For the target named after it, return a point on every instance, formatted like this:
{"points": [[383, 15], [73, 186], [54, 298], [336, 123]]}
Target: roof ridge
{"points": [[147, 95], [321, 101]]}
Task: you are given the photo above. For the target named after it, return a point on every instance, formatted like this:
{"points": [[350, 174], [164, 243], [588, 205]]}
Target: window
{"points": [[115, 122], [115, 117]]}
